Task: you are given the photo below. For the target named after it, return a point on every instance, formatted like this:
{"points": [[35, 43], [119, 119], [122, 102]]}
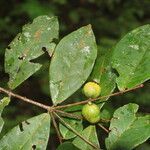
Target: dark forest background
{"points": [[110, 20]]}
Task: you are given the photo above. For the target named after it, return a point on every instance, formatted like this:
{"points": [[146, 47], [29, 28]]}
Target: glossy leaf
{"points": [[27, 46], [72, 63], [131, 58], [30, 134], [67, 146], [127, 130], [65, 132], [3, 103], [102, 72], [90, 134]]}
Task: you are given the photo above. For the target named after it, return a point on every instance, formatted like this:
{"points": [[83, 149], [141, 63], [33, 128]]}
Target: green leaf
{"points": [[27, 46], [102, 72], [127, 130], [72, 63], [3, 103], [65, 132], [31, 133], [72, 109], [131, 58], [90, 134], [67, 146]]}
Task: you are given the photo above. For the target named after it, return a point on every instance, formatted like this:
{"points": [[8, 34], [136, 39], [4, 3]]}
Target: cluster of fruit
{"points": [[91, 111]]}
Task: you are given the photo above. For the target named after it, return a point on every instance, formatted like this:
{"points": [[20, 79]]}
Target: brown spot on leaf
{"points": [[81, 44], [37, 34], [102, 70]]}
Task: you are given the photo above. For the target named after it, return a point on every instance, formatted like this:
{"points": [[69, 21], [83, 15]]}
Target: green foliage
{"points": [[131, 58], [66, 133], [102, 72], [90, 134], [3, 103], [27, 46], [29, 134], [72, 63], [126, 130]]}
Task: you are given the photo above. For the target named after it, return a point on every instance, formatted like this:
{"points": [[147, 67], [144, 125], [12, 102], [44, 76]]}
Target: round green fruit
{"points": [[91, 112], [91, 90]]}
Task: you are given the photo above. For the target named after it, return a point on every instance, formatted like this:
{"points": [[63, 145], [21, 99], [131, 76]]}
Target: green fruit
{"points": [[91, 112], [91, 90]]}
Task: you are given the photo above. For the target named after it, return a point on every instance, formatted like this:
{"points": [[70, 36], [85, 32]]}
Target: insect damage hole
{"points": [[33, 147], [44, 49], [22, 57], [21, 127], [115, 72], [8, 47], [27, 122]]}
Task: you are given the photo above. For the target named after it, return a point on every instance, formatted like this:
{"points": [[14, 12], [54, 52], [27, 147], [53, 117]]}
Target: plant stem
{"points": [[65, 114], [56, 128], [105, 120], [102, 97], [73, 130], [103, 128], [26, 99], [52, 108]]}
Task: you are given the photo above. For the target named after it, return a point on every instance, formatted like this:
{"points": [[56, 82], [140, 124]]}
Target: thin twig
{"points": [[105, 120], [102, 97], [26, 99], [103, 128], [71, 115], [73, 130], [56, 128]]}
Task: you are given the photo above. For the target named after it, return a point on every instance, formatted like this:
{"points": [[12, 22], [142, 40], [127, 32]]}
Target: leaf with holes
{"points": [[72, 63], [131, 58], [3, 103], [27, 46], [30, 134], [90, 134], [76, 124], [126, 130]]}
